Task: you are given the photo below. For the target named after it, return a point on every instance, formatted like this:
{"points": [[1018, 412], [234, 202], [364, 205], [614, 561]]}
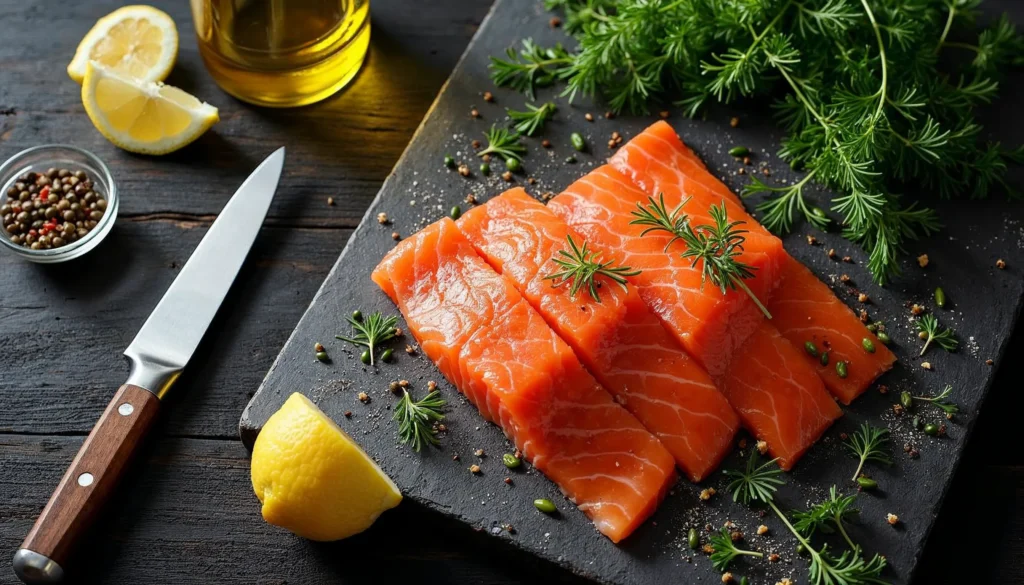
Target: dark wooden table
{"points": [[186, 513]]}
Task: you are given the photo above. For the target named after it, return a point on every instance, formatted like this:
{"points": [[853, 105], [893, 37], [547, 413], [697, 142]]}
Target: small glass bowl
{"points": [[41, 158]]}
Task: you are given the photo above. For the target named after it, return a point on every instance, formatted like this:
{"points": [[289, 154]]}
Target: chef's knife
{"points": [[158, 354]]}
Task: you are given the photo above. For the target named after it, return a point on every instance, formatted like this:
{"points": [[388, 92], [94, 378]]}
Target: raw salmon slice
{"points": [[709, 325], [498, 351], [805, 310], [617, 339], [782, 403]]}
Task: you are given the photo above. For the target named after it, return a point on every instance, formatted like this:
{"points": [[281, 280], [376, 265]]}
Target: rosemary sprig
{"points": [[931, 331], [416, 419], [504, 143], [371, 331], [581, 266], [533, 119], [938, 401], [828, 516], [714, 247], [869, 444], [531, 68], [726, 550]]}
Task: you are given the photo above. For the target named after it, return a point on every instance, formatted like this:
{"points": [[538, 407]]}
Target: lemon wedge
{"points": [[147, 117], [139, 41], [313, 479]]}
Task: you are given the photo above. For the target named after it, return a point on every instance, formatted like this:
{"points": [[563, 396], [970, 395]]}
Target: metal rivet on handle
{"points": [[125, 409], [85, 480]]}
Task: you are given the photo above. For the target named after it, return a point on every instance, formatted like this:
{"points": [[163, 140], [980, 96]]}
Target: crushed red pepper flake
{"points": [[476, 144], [883, 389], [555, 22]]}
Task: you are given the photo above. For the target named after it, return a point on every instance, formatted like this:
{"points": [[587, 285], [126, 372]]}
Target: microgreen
{"points": [[371, 331], [944, 337], [869, 444], [726, 550]]}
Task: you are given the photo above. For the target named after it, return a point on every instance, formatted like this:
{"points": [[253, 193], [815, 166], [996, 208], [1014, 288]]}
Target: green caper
{"points": [[456, 212], [386, 356], [449, 161], [866, 483], [513, 164], [365, 357], [739, 151], [931, 429], [824, 358], [906, 400], [511, 461], [485, 169], [800, 549], [841, 369], [818, 211], [357, 315], [693, 539], [811, 349], [545, 505], [883, 337], [744, 581], [872, 327], [577, 141], [869, 346], [322, 356], [940, 297]]}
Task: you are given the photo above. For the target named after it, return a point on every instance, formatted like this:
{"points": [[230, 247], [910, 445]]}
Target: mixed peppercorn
{"points": [[52, 209]]}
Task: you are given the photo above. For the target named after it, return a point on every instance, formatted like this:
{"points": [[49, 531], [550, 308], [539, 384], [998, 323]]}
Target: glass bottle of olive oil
{"points": [[282, 53]]}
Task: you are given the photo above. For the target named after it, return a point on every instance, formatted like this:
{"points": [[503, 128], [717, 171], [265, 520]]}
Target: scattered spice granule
{"points": [[507, 175], [403, 383], [863, 316], [845, 279], [476, 144], [914, 453], [726, 577], [843, 436], [762, 447], [474, 113], [892, 519], [916, 309], [488, 96], [471, 199], [811, 240], [989, 362], [348, 414], [441, 428], [786, 582], [741, 171], [926, 365], [664, 114], [455, 457], [555, 22], [736, 535], [774, 558], [897, 409], [431, 386], [363, 397], [746, 161], [708, 549], [706, 494], [863, 298], [474, 468], [847, 259], [330, 201], [382, 218], [832, 253], [883, 389], [922, 260], [942, 430], [398, 332], [589, 117], [464, 170], [318, 346], [548, 196], [508, 480], [396, 236], [734, 121], [531, 181], [479, 452], [1000, 264], [609, 115], [742, 444], [518, 454], [762, 530], [545, 143], [394, 387], [486, 158]]}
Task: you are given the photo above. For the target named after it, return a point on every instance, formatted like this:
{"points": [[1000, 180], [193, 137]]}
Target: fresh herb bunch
{"points": [[533, 119], [580, 267], [869, 443], [714, 247], [828, 516], [939, 401], [371, 331], [416, 419], [504, 143], [877, 96], [930, 331], [726, 550]]}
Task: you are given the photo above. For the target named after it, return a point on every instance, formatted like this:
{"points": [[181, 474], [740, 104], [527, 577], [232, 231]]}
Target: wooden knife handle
{"points": [[86, 485]]}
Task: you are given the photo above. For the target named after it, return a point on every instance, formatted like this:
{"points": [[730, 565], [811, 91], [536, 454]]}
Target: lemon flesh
{"points": [[313, 479], [139, 41], [143, 116]]}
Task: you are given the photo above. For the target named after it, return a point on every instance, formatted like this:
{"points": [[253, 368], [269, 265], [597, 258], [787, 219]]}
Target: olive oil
{"points": [[282, 53]]}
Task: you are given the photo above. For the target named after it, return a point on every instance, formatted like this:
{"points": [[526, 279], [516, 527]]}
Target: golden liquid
{"points": [[282, 53]]}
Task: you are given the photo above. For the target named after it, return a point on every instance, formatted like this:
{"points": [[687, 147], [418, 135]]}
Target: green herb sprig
{"points": [[869, 443], [580, 267], [944, 337], [416, 419], [504, 143], [726, 550], [715, 247], [939, 401], [371, 331], [533, 119], [871, 103], [828, 516]]}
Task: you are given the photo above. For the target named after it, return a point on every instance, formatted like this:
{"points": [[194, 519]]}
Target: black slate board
{"points": [[985, 303]]}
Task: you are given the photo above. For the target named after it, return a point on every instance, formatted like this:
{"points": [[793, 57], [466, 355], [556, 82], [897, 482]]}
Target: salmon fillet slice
{"points": [[803, 308], [617, 339], [784, 404], [710, 326], [498, 351]]}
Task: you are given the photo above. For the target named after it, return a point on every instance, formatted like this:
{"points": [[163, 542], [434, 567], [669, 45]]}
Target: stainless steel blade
{"points": [[171, 333]]}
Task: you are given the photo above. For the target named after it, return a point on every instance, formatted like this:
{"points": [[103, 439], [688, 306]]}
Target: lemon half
{"points": [[143, 116], [139, 41], [313, 479]]}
